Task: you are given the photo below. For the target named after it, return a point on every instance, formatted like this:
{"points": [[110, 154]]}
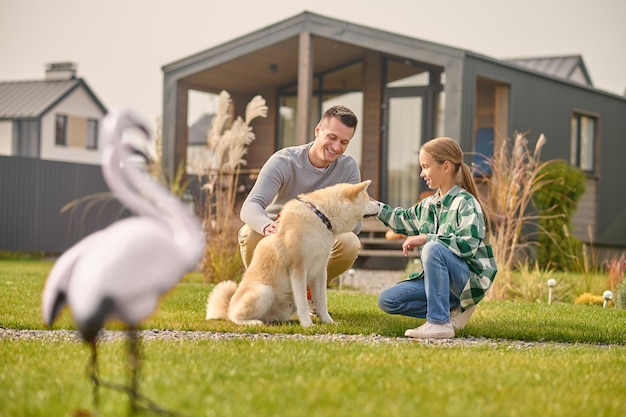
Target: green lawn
{"points": [[524, 359]]}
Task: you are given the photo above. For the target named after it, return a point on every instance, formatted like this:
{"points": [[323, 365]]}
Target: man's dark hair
{"points": [[343, 114]]}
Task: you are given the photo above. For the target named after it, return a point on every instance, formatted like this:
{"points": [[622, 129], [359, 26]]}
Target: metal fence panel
{"points": [[34, 192]]}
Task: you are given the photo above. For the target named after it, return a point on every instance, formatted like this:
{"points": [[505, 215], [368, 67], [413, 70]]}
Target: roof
{"points": [[269, 56], [570, 67], [32, 99]]}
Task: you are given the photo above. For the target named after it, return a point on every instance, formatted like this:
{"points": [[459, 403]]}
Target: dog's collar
{"points": [[321, 215]]}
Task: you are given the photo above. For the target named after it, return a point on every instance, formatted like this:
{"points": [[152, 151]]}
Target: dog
{"points": [[275, 284]]}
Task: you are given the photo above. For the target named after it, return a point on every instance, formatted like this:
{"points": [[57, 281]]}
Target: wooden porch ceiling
{"points": [[277, 66]]}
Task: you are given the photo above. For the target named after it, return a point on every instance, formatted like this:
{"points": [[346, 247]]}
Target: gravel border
{"points": [[149, 335], [373, 339]]}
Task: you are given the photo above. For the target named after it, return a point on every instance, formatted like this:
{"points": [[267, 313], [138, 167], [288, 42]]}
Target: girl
{"points": [[452, 231]]}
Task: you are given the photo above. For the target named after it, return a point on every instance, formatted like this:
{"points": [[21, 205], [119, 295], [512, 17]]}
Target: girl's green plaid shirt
{"points": [[457, 221]]}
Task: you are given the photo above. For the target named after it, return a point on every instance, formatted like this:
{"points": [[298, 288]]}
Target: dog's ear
{"points": [[358, 189]]}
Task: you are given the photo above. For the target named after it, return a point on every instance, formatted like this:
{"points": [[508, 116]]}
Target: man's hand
{"points": [[271, 228]]}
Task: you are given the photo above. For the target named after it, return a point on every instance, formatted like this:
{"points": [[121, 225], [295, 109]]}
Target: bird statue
{"points": [[121, 272]]}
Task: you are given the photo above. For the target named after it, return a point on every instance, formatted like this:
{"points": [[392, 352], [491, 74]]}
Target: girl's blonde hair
{"points": [[444, 149]]}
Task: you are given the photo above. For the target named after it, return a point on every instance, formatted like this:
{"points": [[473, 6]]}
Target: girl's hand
{"points": [[413, 242]]}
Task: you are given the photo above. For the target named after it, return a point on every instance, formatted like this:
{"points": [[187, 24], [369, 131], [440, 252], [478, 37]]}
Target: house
{"points": [[406, 91], [55, 119], [49, 157]]}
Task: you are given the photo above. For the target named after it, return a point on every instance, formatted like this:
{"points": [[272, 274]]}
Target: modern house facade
{"points": [[407, 91]]}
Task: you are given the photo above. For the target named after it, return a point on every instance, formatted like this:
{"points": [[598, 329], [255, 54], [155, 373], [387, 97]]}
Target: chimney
{"points": [[60, 71]]}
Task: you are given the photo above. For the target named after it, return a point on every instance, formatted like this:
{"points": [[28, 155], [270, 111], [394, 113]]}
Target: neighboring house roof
{"points": [[199, 130], [32, 99], [570, 67]]}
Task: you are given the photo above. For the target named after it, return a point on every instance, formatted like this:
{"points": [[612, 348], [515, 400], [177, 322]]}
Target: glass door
{"points": [[403, 133]]}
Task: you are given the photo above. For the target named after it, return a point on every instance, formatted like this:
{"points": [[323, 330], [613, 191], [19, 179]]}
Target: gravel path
{"points": [[373, 339]]}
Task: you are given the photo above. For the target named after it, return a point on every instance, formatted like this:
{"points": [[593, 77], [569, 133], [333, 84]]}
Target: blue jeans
{"points": [[433, 296]]}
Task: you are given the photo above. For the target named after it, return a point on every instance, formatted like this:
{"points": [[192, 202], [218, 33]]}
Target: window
{"points": [[92, 134], [26, 138], [583, 139], [338, 86], [76, 132], [61, 130]]}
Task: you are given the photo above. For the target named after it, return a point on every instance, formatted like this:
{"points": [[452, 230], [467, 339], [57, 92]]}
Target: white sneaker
{"points": [[458, 319], [431, 331]]}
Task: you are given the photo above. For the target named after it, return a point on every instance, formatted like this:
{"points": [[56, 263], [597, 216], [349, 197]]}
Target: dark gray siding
{"points": [[32, 194], [541, 104]]}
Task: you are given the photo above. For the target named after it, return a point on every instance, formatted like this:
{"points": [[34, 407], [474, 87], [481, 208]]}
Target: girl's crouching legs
{"points": [[406, 298]]}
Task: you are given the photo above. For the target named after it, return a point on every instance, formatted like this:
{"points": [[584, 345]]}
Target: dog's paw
{"points": [[306, 321], [325, 318]]}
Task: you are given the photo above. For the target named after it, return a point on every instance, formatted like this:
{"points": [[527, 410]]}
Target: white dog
{"points": [[275, 284]]}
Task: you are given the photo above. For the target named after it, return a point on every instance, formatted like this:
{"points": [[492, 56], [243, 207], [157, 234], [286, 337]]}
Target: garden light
{"points": [[551, 284], [607, 295], [351, 273]]}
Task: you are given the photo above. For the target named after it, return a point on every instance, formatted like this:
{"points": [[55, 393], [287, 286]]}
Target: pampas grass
{"points": [[516, 174], [218, 174]]}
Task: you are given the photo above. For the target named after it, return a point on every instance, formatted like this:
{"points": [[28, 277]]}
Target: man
{"points": [[301, 169]]}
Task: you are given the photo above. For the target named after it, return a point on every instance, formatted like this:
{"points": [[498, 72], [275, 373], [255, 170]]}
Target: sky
{"points": [[120, 46]]}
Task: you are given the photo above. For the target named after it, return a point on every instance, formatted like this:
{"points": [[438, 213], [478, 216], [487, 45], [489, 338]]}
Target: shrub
{"points": [[557, 201], [529, 283], [616, 268], [221, 258], [589, 299]]}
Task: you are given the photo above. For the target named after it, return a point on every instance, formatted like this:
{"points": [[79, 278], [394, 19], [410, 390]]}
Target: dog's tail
{"points": [[219, 300]]}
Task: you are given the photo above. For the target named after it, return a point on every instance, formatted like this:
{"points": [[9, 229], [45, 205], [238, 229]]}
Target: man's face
{"points": [[331, 140]]}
